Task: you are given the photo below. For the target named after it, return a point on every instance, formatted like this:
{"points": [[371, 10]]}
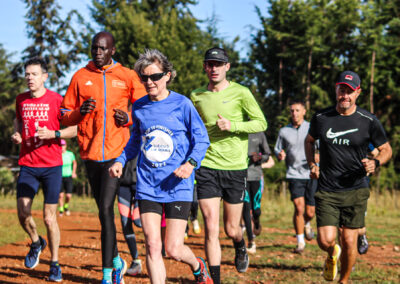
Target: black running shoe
{"points": [[241, 260], [362, 244]]}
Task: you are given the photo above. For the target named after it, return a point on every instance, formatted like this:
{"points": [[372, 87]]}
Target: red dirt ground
{"points": [[80, 255]]}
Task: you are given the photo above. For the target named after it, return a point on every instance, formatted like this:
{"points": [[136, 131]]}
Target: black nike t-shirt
{"points": [[344, 143]]}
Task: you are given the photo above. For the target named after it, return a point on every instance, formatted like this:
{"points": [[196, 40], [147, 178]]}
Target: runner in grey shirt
{"points": [[258, 153], [290, 147]]}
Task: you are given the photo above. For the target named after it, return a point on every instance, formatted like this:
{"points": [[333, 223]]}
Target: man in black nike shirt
{"points": [[344, 132]]}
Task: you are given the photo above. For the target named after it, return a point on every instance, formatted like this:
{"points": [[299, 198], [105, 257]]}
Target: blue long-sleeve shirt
{"points": [[165, 134]]}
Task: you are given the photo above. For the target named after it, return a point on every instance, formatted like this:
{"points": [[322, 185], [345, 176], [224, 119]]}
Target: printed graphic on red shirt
{"points": [[39, 112]]}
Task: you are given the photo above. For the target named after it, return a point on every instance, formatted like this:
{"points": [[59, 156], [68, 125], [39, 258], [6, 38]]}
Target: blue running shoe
{"points": [[32, 258], [117, 274], [55, 273]]}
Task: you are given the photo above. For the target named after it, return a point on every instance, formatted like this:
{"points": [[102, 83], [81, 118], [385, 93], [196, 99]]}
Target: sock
{"points": [[107, 273], [54, 263], [300, 238], [117, 263], [61, 209], [66, 205], [215, 273], [36, 244], [197, 271], [308, 224], [239, 244]]}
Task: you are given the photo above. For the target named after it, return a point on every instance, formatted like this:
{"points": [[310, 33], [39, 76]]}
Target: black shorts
{"points": [[67, 184], [230, 185], [173, 210], [303, 188]]}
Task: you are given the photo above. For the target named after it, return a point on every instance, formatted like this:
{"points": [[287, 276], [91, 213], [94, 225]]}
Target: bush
{"points": [[6, 180]]}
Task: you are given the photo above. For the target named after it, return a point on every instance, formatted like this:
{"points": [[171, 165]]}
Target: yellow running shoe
{"points": [[196, 227], [330, 267]]}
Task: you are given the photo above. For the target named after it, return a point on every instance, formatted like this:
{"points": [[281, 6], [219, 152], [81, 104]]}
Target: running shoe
{"points": [[300, 248], [241, 259], [55, 273], [196, 227], [330, 266], [106, 281], [67, 212], [135, 268], [362, 244], [251, 247], [203, 277], [118, 274], [257, 227], [32, 258], [309, 233]]}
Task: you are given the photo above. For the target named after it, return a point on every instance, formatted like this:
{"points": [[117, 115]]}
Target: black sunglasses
{"points": [[153, 77]]}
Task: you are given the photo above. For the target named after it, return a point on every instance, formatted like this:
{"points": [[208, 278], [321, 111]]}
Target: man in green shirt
{"points": [[229, 112], [68, 173]]}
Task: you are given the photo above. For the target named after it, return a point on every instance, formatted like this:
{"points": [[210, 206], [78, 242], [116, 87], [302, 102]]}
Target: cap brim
{"points": [[347, 84], [216, 59]]}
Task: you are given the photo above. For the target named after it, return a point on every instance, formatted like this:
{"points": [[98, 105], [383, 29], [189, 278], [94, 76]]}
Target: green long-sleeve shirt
{"points": [[228, 149]]}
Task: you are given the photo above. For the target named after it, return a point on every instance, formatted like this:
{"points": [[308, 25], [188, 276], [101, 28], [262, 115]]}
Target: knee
{"points": [[49, 221], [23, 214], [257, 213], [349, 240], [212, 230], [153, 248], [325, 242], [174, 250], [299, 209], [106, 212], [230, 230]]}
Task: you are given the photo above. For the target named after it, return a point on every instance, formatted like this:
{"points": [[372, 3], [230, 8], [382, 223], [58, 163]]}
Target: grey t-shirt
{"points": [[257, 143], [291, 140]]}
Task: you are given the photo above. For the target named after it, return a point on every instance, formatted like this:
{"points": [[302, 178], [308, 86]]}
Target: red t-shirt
{"points": [[34, 112]]}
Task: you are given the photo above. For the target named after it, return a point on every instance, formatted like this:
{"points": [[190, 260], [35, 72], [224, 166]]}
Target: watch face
{"points": [[192, 162]]}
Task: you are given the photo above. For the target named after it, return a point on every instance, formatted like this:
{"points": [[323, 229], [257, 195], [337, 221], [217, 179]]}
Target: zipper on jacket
{"points": [[105, 112]]}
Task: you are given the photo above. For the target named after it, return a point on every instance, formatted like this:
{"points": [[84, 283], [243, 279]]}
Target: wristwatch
{"points": [[57, 134], [192, 162], [377, 163]]}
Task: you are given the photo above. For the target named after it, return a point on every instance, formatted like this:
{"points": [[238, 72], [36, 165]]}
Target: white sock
{"points": [[308, 224], [300, 238]]}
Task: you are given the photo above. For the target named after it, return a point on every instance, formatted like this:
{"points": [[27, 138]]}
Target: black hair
{"points": [[37, 61], [105, 33]]}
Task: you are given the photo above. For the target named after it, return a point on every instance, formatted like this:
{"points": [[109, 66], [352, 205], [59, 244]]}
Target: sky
{"points": [[235, 17]]}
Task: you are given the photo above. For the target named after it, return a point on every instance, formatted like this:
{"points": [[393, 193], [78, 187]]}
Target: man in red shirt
{"points": [[37, 129]]}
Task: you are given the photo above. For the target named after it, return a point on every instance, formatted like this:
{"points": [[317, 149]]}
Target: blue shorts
{"points": [[303, 188], [30, 178]]}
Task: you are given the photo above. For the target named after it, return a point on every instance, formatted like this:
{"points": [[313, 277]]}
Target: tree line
{"points": [[297, 54]]}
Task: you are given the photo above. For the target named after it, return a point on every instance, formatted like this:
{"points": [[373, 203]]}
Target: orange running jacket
{"points": [[99, 137]]}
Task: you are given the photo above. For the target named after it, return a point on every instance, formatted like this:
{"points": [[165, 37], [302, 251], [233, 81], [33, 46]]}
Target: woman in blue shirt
{"points": [[171, 141]]}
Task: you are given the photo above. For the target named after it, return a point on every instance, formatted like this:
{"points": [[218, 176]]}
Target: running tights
{"points": [[126, 202], [104, 190]]}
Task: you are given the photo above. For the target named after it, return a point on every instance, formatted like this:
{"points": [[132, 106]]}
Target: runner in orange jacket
{"points": [[97, 101]]}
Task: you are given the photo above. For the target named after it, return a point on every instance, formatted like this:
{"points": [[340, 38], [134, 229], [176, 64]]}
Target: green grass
{"points": [[11, 231]]}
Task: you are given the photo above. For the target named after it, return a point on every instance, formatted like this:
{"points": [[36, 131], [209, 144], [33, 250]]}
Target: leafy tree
{"points": [[10, 86], [54, 38], [165, 25]]}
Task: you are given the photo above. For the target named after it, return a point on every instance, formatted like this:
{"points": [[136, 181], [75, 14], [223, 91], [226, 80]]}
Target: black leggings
{"points": [[104, 190]]}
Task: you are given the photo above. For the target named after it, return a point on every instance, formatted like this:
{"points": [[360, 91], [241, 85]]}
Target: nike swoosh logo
{"points": [[225, 102], [331, 135]]}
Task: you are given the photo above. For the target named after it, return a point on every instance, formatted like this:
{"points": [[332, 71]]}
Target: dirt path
{"points": [[80, 256]]}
